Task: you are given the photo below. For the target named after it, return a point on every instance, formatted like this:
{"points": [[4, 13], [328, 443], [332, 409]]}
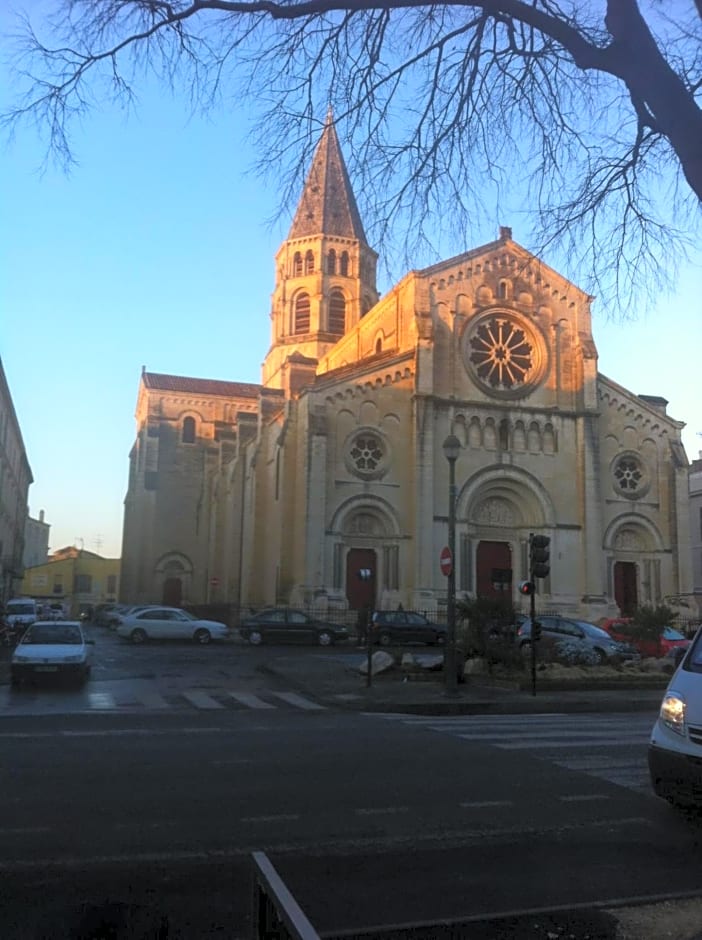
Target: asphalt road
{"points": [[141, 798]]}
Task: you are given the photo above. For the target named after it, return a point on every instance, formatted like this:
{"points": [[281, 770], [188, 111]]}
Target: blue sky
{"points": [[155, 251]]}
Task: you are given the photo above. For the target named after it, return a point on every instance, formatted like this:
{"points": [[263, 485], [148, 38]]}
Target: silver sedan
{"points": [[169, 623]]}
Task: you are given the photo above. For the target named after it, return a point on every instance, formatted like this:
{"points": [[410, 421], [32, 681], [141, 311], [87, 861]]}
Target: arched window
{"points": [[337, 312], [331, 262], [309, 262], [188, 435], [344, 263], [302, 313], [378, 345], [297, 264], [503, 290]]}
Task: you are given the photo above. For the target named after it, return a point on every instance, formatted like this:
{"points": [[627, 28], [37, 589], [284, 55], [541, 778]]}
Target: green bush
{"points": [[486, 628], [649, 622]]}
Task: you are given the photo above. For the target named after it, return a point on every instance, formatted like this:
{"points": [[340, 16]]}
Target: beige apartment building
{"points": [[285, 491]]}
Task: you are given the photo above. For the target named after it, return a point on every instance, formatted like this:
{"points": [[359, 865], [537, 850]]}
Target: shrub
{"points": [[649, 622], [486, 627], [574, 654]]}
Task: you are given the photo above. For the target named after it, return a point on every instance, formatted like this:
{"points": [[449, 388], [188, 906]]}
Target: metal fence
{"points": [[276, 913]]}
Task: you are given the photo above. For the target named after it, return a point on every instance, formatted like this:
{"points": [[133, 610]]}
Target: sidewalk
{"points": [[335, 681]]}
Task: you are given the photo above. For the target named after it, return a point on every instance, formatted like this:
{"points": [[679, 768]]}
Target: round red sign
{"points": [[446, 561]]}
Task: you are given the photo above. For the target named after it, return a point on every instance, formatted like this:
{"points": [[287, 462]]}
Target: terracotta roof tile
{"points": [[182, 383]]}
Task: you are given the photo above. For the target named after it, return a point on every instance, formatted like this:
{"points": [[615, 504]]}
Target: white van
{"points": [[21, 611], [675, 749]]}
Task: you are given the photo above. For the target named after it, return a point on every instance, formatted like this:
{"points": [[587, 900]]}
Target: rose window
{"points": [[501, 353], [366, 453], [628, 474]]}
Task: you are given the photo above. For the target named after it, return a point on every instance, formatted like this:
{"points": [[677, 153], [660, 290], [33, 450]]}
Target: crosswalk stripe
{"points": [[101, 701], [249, 700], [292, 698], [152, 699], [201, 699]]}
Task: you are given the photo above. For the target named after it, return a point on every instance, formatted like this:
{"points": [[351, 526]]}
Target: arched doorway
{"points": [[360, 592], [625, 587], [493, 565], [172, 592]]}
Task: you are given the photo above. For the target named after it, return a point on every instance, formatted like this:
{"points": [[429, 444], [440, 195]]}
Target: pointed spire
{"points": [[327, 205]]}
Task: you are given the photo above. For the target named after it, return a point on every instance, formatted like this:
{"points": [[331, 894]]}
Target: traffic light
{"points": [[526, 588], [535, 630], [539, 555]]}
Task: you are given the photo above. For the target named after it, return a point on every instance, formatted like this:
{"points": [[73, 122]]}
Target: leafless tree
{"points": [[583, 117]]}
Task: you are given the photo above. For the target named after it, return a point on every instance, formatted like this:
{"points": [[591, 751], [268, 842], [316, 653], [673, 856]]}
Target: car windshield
{"points": [[593, 630], [670, 634], [50, 635], [20, 608]]}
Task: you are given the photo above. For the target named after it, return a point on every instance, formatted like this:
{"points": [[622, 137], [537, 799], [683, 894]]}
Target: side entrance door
{"points": [[360, 593], [493, 576], [625, 591]]}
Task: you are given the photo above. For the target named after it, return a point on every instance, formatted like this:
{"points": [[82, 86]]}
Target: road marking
{"points": [[380, 810], [24, 830], [152, 699], [275, 817], [292, 698], [249, 700], [101, 701], [482, 804], [583, 797], [201, 699]]}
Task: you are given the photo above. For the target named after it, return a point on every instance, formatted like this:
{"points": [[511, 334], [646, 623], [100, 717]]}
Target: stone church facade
{"points": [[282, 492]]}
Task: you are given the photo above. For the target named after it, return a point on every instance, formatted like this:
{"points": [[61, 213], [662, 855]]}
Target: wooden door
{"points": [[493, 574], [625, 588], [359, 593], [172, 592]]}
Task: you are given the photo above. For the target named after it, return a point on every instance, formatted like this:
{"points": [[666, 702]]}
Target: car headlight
{"points": [[673, 712]]}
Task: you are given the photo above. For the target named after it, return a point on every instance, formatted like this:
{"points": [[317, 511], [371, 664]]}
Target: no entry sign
{"points": [[446, 561]]}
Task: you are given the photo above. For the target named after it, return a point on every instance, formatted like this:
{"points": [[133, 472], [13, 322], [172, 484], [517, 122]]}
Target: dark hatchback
{"points": [[405, 626], [287, 625]]}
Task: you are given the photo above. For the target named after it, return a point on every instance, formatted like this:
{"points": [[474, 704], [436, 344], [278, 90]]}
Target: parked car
{"points": [[675, 747], [556, 630], [288, 625], [405, 626], [20, 612], [169, 623], [623, 629], [51, 648], [116, 616]]}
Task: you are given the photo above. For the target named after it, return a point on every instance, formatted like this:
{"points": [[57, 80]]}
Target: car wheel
{"points": [[440, 640], [202, 636], [137, 636], [385, 639], [255, 638], [601, 657], [324, 638]]}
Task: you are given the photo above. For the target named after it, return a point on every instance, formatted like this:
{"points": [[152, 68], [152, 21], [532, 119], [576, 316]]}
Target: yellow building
{"points": [[74, 577], [334, 465]]}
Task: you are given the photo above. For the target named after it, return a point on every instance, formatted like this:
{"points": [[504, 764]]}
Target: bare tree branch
{"points": [[454, 104]]}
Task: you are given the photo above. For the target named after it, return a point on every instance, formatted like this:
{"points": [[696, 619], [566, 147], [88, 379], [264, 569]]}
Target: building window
{"points": [[378, 346], [297, 264], [337, 312], [344, 263], [331, 262], [367, 454], [309, 262], [188, 435], [501, 353], [83, 584], [630, 476], [302, 313]]}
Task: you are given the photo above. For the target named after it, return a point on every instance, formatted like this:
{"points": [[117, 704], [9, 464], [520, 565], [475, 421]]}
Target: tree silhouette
{"points": [[586, 119]]}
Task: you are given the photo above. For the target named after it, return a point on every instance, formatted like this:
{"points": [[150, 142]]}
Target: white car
{"points": [[51, 648], [169, 623], [675, 749]]}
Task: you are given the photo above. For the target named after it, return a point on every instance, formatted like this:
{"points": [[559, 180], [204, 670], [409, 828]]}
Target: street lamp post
{"points": [[452, 448]]}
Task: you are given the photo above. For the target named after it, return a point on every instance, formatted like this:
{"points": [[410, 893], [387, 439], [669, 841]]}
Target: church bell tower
{"points": [[325, 270]]}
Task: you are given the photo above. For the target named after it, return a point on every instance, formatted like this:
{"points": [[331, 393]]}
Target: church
{"points": [[284, 492]]}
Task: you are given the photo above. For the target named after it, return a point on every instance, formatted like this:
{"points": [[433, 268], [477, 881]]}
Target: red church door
{"points": [[360, 593], [172, 592], [493, 565], [625, 589]]}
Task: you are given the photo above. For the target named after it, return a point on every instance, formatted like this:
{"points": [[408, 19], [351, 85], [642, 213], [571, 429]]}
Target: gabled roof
{"points": [[327, 205], [182, 383]]}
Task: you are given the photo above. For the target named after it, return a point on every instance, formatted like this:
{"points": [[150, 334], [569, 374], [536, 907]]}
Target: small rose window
{"points": [[630, 476], [367, 454]]}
